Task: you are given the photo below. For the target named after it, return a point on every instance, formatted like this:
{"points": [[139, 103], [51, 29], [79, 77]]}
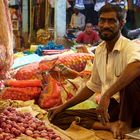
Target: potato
{"points": [[35, 135], [18, 123], [1, 130], [58, 138], [37, 132], [3, 124], [28, 132], [1, 137], [40, 128], [43, 134], [9, 126], [22, 129], [7, 130], [33, 125], [17, 132]]}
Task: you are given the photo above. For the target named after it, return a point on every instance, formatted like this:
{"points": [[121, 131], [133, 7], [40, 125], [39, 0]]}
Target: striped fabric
{"points": [[122, 3]]}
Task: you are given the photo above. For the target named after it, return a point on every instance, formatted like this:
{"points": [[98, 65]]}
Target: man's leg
{"points": [[65, 118], [86, 118], [129, 107], [113, 124]]}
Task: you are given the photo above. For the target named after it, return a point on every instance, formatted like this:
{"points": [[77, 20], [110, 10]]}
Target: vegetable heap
{"points": [[14, 123]]}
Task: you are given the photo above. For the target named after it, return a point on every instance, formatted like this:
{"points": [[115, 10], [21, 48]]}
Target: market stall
{"points": [[30, 84], [46, 75], [33, 81], [29, 90]]}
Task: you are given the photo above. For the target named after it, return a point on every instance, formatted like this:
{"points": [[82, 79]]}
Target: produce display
{"points": [[23, 106], [76, 61], [27, 72], [14, 123], [30, 81], [18, 114], [24, 94], [23, 83], [50, 96], [21, 89]]}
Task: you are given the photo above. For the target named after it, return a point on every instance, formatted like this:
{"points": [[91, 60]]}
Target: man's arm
{"points": [[131, 71], [84, 94]]}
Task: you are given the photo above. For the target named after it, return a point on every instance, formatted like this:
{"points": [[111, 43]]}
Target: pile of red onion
{"points": [[14, 123]]}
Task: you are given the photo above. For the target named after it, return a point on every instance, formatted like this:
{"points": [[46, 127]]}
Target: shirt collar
{"points": [[117, 46]]}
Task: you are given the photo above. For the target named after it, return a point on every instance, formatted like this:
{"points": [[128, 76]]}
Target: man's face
{"points": [[89, 28], [109, 26]]}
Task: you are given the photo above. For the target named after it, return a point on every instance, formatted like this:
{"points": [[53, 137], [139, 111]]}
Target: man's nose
{"points": [[106, 24]]}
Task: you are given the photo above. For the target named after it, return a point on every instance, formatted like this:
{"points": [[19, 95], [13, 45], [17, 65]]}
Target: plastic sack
{"points": [[30, 71], [88, 104], [76, 61], [50, 96], [23, 94]]}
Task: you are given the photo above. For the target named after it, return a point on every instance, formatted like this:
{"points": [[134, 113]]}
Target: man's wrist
{"points": [[107, 95], [64, 106]]}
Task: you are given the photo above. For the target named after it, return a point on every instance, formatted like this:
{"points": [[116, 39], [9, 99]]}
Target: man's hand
{"points": [[102, 109], [53, 111]]}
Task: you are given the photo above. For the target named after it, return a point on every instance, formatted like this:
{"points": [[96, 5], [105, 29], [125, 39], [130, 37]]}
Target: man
{"points": [[88, 36], [90, 12], [77, 19], [116, 71]]}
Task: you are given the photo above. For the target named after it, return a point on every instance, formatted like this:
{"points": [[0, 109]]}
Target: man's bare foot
{"points": [[124, 128], [114, 126], [119, 129]]}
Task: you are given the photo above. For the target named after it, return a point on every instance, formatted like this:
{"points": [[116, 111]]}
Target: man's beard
{"points": [[108, 38]]}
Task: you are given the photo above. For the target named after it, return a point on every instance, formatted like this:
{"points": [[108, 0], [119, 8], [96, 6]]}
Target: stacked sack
{"points": [[50, 96], [27, 72], [76, 61], [30, 79], [59, 88], [22, 89]]}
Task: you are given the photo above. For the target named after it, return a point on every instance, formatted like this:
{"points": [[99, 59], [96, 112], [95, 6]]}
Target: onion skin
{"points": [[18, 123]]}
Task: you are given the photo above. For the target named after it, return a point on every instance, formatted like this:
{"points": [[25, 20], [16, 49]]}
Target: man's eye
{"points": [[102, 20], [112, 20]]}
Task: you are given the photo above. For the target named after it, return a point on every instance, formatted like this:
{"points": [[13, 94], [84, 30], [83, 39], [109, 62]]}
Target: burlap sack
{"points": [[80, 133]]}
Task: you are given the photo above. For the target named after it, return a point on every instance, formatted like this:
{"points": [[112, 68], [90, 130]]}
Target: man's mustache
{"points": [[108, 30]]}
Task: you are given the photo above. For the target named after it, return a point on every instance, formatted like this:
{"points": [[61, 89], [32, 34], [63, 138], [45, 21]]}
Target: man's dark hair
{"points": [[113, 8]]}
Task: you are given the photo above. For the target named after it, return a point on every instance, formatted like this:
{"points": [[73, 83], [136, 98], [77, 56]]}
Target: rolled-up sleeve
{"points": [[94, 82]]}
